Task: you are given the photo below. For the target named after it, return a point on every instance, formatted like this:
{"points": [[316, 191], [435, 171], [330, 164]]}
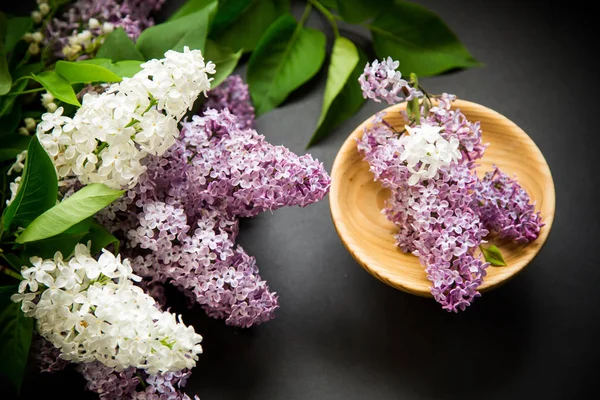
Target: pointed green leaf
{"points": [[15, 337], [190, 31], [75, 72], [247, 28], [12, 145], [15, 29], [190, 7], [83, 204], [227, 12], [493, 255], [419, 39], [5, 78], [58, 86], [355, 11], [346, 104], [64, 243], [287, 56], [37, 191], [118, 47], [101, 238], [225, 61], [124, 69]]}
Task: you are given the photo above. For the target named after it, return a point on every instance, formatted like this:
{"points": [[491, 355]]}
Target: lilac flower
{"points": [[381, 81], [234, 95], [506, 209], [47, 356], [180, 223]]}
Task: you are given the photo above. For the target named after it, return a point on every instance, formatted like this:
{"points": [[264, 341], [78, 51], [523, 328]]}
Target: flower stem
{"points": [[27, 91], [10, 272], [305, 15], [323, 10], [142, 381]]}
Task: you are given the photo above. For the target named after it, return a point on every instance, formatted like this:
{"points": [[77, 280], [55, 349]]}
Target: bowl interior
{"points": [[356, 201]]}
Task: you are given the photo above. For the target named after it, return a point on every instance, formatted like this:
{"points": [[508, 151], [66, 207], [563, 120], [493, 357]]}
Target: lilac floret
{"points": [[234, 95], [381, 81]]}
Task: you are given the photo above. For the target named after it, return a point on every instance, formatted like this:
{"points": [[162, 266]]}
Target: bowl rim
{"points": [[355, 249]]}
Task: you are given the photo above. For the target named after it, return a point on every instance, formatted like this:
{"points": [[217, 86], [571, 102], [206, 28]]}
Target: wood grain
{"points": [[356, 201]]}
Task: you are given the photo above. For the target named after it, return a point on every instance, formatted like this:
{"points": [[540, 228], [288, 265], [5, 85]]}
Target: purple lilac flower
{"points": [[179, 224], [46, 355], [131, 15], [381, 81], [133, 384], [233, 94], [506, 209]]}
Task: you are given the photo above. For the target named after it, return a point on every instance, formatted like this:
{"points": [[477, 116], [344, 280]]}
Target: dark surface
{"points": [[341, 334]]}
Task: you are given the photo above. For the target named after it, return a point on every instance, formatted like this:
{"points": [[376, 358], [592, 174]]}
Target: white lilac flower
{"points": [[18, 164], [91, 311], [425, 151], [112, 132], [14, 188]]}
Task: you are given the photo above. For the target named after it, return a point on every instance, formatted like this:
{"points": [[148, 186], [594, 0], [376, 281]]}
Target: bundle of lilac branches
{"points": [[443, 212]]}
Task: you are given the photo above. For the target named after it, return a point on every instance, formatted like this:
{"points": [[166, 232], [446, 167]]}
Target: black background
{"points": [[341, 334]]}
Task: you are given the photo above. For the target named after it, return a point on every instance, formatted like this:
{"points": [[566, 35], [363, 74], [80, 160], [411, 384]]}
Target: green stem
{"points": [[27, 91], [323, 10], [142, 381], [10, 272], [305, 15]]}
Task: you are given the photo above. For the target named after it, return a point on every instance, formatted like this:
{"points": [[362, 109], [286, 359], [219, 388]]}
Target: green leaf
{"points": [[347, 102], [101, 238], [3, 24], [192, 6], [493, 255], [124, 69], [189, 31], [287, 56], [7, 102], [246, 30], [10, 122], [419, 39], [83, 204], [64, 243], [15, 29], [5, 78], [58, 86], [75, 72], [118, 47], [228, 11], [15, 337], [12, 145], [37, 191], [225, 61], [355, 11], [12, 260]]}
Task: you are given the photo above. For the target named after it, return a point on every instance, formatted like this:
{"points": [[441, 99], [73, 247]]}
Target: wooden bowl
{"points": [[356, 201]]}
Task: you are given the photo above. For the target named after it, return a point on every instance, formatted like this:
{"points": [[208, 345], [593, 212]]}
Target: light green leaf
{"points": [[12, 145], [192, 6], [15, 29], [493, 255], [64, 242], [345, 104], [419, 39], [37, 191], [189, 31], [75, 72], [246, 30], [118, 47], [124, 69], [5, 78], [355, 11], [83, 204], [101, 238], [58, 86], [287, 56], [15, 337], [225, 61]]}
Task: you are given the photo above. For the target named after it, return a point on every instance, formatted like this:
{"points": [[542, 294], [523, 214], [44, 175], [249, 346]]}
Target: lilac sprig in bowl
{"points": [[451, 217]]}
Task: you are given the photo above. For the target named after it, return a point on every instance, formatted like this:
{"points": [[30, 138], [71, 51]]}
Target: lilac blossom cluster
{"points": [[381, 81], [505, 208], [180, 223], [82, 26], [234, 95], [443, 213]]}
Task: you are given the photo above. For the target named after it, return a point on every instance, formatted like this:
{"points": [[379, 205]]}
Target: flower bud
{"points": [[36, 16], [29, 123], [51, 107], [37, 37], [93, 23], [34, 48], [107, 27], [44, 9]]}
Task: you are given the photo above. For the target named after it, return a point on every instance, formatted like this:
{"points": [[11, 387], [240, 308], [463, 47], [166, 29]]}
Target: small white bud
{"points": [[93, 23], [34, 48], [23, 131], [37, 37], [29, 123], [47, 98], [51, 107], [44, 9], [85, 36], [36, 16], [28, 37], [41, 1], [107, 27]]}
